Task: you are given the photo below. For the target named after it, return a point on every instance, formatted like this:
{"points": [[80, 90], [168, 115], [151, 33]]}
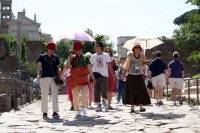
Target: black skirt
{"points": [[136, 92]]}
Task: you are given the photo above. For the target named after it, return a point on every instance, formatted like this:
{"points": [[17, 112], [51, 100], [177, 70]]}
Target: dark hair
{"points": [[100, 44], [137, 47], [175, 54], [158, 54], [111, 54]]}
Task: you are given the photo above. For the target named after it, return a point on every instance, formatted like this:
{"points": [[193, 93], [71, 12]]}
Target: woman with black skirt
{"points": [[136, 92]]}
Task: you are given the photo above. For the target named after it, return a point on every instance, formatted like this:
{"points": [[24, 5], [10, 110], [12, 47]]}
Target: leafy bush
{"points": [[32, 69], [196, 76]]}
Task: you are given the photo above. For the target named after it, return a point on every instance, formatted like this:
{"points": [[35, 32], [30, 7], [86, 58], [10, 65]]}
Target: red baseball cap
{"points": [[77, 46], [51, 46]]}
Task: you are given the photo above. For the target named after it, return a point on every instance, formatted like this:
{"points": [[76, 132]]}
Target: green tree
{"points": [[105, 40], [187, 36], [63, 46], [194, 2], [9, 42], [195, 58], [89, 46]]}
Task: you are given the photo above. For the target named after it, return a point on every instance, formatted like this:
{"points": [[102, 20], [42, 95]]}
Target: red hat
{"points": [[77, 46], [51, 46]]}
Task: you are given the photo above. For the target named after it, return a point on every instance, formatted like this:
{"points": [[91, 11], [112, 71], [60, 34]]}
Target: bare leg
{"points": [[109, 95], [174, 93], [150, 93]]}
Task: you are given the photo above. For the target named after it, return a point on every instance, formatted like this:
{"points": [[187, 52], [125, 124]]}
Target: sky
{"points": [[108, 17]]}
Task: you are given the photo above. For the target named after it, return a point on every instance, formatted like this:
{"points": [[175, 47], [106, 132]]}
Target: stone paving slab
{"points": [[157, 119]]}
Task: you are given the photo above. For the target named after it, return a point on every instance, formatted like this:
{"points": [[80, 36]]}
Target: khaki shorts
{"points": [[176, 83], [159, 80]]}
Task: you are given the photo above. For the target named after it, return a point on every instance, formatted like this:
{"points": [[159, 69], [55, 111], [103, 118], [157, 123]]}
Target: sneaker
{"points": [[71, 108], [175, 104], [142, 109], [84, 111], [45, 116], [98, 107], [55, 115], [159, 103], [78, 113], [105, 105]]}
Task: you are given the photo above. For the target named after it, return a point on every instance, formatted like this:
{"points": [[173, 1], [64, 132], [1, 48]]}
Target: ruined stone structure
{"points": [[120, 42], [167, 49], [6, 59], [5, 15], [34, 49]]}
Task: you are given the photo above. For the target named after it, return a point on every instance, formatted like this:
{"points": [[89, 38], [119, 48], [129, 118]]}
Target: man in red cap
{"points": [[47, 68], [78, 80]]}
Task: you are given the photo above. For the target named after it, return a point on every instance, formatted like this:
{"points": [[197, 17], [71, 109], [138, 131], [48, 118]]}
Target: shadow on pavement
{"points": [[162, 116], [86, 120], [52, 120]]}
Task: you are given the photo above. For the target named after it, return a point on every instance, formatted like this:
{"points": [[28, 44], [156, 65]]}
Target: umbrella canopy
{"points": [[77, 35], [145, 42]]}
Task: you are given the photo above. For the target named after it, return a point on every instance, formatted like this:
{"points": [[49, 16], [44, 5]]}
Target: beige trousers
{"points": [[83, 90], [46, 84]]}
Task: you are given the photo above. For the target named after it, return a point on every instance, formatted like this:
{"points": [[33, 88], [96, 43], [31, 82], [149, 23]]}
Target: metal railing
{"points": [[190, 100]]}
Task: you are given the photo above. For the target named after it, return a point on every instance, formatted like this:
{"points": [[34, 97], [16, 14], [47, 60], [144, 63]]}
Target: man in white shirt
{"points": [[101, 62]]}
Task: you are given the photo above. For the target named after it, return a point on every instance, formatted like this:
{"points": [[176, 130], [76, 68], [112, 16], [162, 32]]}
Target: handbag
{"points": [[57, 78]]}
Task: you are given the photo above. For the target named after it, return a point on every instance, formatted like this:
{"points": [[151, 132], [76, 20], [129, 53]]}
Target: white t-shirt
{"points": [[67, 74], [100, 63]]}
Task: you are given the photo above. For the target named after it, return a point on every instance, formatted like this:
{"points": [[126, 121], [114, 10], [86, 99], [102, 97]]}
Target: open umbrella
{"points": [[145, 42], [76, 35]]}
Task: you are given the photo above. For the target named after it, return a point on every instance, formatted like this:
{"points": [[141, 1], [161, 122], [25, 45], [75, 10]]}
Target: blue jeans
{"points": [[121, 89]]}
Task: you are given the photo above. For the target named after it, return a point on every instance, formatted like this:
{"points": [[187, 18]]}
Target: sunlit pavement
{"points": [[156, 119]]}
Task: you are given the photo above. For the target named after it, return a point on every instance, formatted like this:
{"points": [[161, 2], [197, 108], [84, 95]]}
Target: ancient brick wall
{"points": [[167, 50], [34, 49]]}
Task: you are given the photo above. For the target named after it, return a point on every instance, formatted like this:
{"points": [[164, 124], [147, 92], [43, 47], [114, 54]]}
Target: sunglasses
{"points": [[137, 47], [78, 49]]}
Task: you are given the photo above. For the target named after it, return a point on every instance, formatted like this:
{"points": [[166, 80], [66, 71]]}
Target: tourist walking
{"points": [[136, 92], [66, 73], [101, 62], [112, 82], [176, 77], [47, 68], [78, 80], [90, 86], [121, 79], [147, 81], [158, 73]]}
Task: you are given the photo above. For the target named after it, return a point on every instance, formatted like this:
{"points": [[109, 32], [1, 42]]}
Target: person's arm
{"points": [[59, 71], [143, 61], [183, 73], [89, 67], [110, 68], [63, 72], [39, 65]]}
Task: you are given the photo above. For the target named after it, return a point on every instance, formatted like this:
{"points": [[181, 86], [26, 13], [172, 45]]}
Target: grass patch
{"points": [[196, 76]]}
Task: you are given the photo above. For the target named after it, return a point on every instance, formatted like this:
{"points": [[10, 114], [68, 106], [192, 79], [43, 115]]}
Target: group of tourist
{"points": [[95, 77]]}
